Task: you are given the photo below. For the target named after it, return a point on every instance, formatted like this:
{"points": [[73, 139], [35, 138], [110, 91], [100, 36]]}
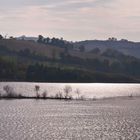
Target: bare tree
{"points": [[67, 89], [45, 94], [56, 96], [37, 88], [9, 91], [59, 95]]}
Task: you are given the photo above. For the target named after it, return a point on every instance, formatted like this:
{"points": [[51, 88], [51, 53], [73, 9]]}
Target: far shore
{"points": [[10, 94], [70, 99]]}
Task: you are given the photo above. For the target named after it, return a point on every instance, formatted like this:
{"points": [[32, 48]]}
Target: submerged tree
{"points": [[37, 88]]}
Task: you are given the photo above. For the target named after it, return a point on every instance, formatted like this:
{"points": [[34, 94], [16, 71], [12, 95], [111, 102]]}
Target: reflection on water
{"points": [[88, 90], [111, 119]]}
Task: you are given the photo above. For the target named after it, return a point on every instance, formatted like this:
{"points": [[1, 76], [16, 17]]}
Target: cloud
{"points": [[72, 19]]}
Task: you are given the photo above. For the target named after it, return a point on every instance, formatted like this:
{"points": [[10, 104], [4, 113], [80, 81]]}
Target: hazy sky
{"points": [[71, 19]]}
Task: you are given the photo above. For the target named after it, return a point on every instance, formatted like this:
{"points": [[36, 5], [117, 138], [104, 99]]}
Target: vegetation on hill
{"points": [[22, 60], [124, 46]]}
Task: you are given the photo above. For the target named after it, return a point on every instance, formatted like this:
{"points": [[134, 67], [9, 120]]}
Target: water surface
{"points": [[110, 119]]}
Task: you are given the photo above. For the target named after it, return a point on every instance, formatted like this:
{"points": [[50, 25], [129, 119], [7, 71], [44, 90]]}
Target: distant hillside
{"points": [[18, 45], [45, 49], [124, 46], [60, 61]]}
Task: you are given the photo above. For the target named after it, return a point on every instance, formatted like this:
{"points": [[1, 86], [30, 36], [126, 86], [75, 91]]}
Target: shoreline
{"points": [[70, 99]]}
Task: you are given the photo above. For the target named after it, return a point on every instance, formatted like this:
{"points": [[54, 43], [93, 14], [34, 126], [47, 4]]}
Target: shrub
{"points": [[19, 96], [44, 94], [67, 89], [9, 91]]}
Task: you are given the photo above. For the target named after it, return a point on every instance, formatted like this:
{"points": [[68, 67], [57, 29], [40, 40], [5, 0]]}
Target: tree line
{"points": [[14, 71]]}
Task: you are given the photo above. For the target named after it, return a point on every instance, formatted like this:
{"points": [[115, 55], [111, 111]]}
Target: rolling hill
{"points": [[124, 46], [28, 60]]}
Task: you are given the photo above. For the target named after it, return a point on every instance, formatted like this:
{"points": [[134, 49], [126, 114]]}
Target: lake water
{"points": [[108, 119], [105, 119], [95, 90]]}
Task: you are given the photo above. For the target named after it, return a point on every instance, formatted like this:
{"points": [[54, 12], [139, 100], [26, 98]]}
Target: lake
{"points": [[105, 119], [95, 90]]}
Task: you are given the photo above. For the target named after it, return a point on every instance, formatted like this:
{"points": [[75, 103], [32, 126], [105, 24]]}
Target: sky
{"points": [[73, 20]]}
